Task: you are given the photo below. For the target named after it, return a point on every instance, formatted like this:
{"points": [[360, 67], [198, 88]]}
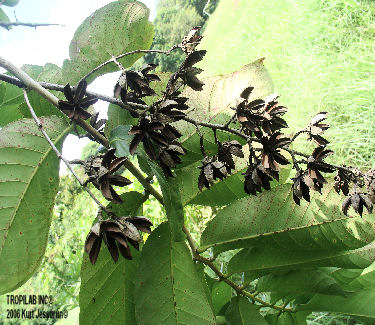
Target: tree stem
{"points": [[222, 277]]}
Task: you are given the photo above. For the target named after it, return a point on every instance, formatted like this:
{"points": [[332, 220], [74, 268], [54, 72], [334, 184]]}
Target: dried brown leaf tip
{"points": [[101, 173], [316, 128], [256, 178], [271, 155], [137, 81], [300, 188], [315, 166], [76, 104], [117, 234], [211, 170], [226, 151], [357, 200], [148, 132]]}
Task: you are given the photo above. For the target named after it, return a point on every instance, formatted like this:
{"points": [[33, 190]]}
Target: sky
{"points": [[25, 45]]}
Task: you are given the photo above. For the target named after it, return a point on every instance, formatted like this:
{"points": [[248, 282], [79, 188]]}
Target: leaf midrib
{"points": [[205, 247]]}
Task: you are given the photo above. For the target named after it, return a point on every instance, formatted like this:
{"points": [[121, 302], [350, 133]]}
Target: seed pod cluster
{"points": [[117, 234], [101, 169]]}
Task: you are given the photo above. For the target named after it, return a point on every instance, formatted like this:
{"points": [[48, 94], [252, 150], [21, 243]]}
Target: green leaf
{"points": [[131, 206], [365, 280], [167, 289], [203, 278], [241, 311], [10, 3], [359, 304], [4, 18], [221, 293], [172, 202], [117, 28], [300, 282], [12, 97], [273, 219], [29, 176], [287, 318], [107, 288], [13, 106], [117, 116], [120, 140], [268, 259]]}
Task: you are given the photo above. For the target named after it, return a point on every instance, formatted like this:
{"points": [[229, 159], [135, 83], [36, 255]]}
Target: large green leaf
{"points": [[12, 103], [241, 311], [107, 288], [273, 219], [29, 175], [167, 289], [221, 294], [119, 27], [268, 259], [362, 279], [300, 282], [287, 318], [360, 305]]}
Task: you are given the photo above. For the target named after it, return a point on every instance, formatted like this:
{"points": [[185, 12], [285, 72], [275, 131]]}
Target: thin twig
{"points": [[7, 25], [58, 153], [222, 277], [111, 60], [219, 127], [131, 107]]}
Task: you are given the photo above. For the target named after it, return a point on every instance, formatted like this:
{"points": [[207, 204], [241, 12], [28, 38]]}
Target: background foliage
{"points": [[323, 52]]}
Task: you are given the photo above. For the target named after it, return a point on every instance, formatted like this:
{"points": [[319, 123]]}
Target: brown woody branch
{"points": [[222, 277]]}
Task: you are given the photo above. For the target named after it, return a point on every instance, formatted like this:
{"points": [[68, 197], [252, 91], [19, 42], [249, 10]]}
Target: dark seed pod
{"points": [[357, 200], [316, 165], [300, 188], [228, 149], [316, 128], [211, 170], [271, 155], [342, 181], [77, 103], [101, 173], [256, 178], [117, 233]]}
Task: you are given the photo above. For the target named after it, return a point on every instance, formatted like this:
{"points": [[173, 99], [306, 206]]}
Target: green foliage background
{"points": [[320, 56]]}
